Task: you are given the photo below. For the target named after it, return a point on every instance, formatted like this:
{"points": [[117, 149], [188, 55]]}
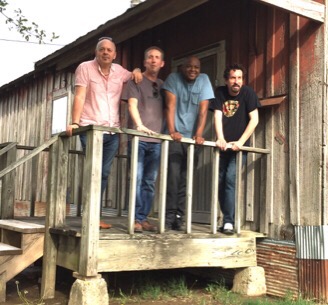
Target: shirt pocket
{"points": [[95, 85], [194, 97]]}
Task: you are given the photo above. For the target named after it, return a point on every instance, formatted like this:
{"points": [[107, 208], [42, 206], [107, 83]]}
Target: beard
{"points": [[235, 88]]}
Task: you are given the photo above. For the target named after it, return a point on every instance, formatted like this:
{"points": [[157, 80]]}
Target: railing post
{"points": [[238, 194], [163, 185], [215, 190], [189, 186], [133, 183], [9, 156], [55, 212], [91, 204], [268, 208]]}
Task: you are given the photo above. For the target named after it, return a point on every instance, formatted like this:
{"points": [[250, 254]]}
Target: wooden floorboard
{"points": [[119, 229]]}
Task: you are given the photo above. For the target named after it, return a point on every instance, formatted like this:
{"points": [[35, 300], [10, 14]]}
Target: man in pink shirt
{"points": [[98, 87]]}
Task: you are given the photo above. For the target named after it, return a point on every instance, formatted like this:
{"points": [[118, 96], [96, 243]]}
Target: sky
{"points": [[70, 19]]}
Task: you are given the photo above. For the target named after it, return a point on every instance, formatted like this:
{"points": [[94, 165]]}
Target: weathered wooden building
{"points": [[283, 44]]}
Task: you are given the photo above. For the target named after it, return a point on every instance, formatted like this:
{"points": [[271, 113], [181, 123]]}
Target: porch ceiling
{"points": [[305, 8]]}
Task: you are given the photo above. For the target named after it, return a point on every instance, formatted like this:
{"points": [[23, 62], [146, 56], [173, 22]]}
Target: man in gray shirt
{"points": [[145, 105]]}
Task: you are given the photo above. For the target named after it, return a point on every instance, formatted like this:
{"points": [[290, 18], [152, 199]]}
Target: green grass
{"points": [[179, 289]]}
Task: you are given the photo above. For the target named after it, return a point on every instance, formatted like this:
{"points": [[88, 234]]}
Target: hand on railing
{"points": [[222, 144], [199, 140], [146, 130], [236, 146], [69, 129], [176, 136]]}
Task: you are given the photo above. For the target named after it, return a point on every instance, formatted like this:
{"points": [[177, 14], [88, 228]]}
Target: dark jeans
{"points": [[176, 180], [227, 185], [149, 157], [110, 147]]}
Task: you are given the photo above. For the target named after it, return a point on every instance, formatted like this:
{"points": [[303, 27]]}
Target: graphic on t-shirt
{"points": [[230, 107]]}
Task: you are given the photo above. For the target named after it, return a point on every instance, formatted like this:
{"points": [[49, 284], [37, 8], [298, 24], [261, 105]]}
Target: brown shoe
{"points": [[148, 227], [104, 225], [137, 227]]}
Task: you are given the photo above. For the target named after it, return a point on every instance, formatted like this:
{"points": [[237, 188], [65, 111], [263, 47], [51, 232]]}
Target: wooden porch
{"points": [[76, 243]]}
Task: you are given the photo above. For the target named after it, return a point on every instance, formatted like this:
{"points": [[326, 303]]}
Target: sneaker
{"points": [[104, 225], [177, 224], [228, 229], [148, 227], [137, 227]]}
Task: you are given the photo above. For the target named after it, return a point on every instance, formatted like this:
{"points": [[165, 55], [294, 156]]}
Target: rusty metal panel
{"points": [[311, 246], [281, 267]]}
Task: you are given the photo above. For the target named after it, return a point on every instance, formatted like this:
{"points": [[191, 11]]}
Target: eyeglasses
{"points": [[103, 38], [155, 90]]}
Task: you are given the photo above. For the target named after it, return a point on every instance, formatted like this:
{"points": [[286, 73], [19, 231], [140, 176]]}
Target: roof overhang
{"points": [[150, 14], [144, 16], [305, 8]]}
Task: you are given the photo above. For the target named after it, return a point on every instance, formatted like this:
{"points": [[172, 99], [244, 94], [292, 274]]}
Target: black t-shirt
{"points": [[235, 110]]}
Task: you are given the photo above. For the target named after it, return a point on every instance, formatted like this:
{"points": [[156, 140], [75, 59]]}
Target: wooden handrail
{"points": [[7, 148], [28, 156]]}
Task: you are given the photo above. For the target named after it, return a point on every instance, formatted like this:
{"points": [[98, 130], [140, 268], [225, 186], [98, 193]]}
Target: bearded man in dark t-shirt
{"points": [[235, 118]]}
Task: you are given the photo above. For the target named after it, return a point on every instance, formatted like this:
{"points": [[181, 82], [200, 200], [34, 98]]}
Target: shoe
{"points": [[148, 226], [138, 227], [168, 226], [104, 225], [177, 224], [228, 229]]}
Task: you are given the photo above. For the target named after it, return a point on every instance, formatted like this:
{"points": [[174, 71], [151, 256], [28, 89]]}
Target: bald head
{"points": [[191, 68]]}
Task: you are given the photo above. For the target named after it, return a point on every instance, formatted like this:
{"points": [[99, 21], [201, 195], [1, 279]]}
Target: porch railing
{"points": [[57, 187]]}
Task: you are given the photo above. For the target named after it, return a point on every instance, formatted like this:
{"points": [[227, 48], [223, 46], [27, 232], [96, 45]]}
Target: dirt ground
{"points": [[126, 282]]}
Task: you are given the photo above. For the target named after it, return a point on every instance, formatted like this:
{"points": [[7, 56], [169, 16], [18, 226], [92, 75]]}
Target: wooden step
{"points": [[6, 249], [21, 226]]}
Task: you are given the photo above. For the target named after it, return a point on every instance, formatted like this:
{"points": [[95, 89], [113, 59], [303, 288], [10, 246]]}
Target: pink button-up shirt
{"points": [[102, 101]]}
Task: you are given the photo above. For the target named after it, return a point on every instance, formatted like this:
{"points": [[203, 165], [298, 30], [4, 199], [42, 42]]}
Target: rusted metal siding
{"points": [[312, 254], [281, 267]]}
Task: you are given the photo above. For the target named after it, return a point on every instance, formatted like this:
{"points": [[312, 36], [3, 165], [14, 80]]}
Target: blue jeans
{"points": [[110, 147], [227, 185], [149, 155]]}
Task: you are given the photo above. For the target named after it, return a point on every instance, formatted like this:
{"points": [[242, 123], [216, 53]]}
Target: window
{"points": [[59, 111]]}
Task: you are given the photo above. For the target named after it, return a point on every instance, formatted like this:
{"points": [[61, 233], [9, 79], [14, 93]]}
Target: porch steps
{"points": [[6, 249], [21, 244]]}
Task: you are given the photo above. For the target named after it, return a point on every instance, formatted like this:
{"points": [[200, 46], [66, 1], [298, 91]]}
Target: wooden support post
{"points": [[8, 183], [294, 122], [250, 191], [189, 186], [3, 283], [91, 204], [35, 162], [238, 194], [163, 185], [55, 212], [268, 209], [133, 183], [215, 190]]}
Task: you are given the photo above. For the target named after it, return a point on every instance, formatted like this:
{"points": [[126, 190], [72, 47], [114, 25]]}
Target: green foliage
{"points": [[22, 25]]}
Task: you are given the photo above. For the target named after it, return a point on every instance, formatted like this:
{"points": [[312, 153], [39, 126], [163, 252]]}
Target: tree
{"points": [[21, 24]]}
